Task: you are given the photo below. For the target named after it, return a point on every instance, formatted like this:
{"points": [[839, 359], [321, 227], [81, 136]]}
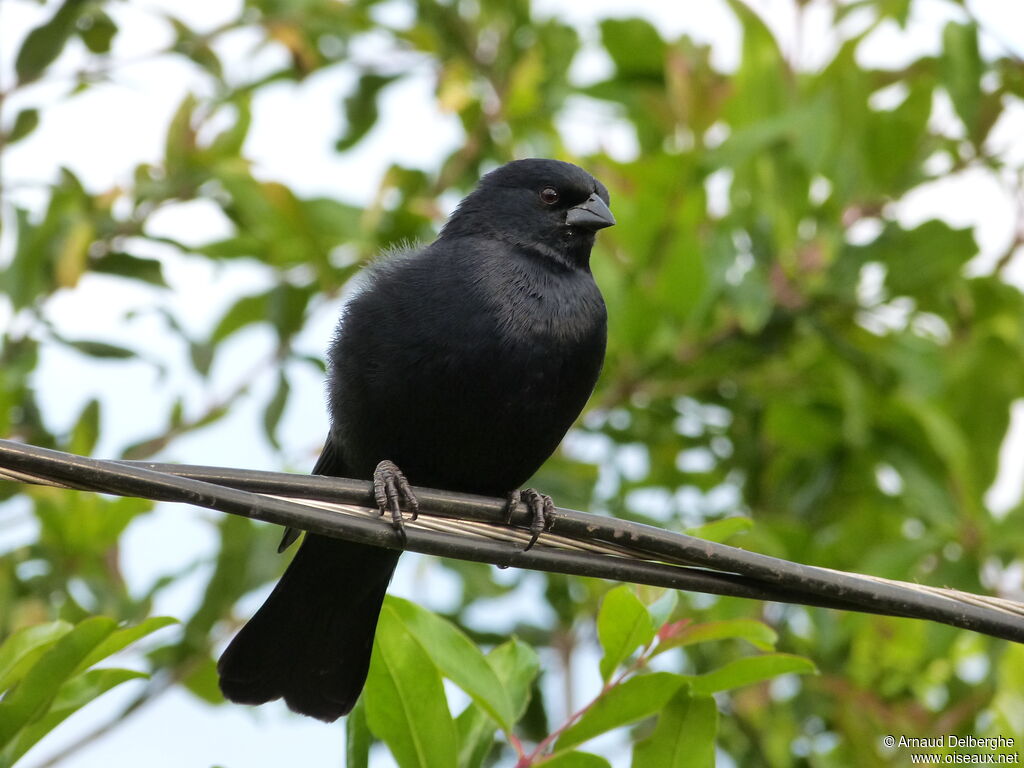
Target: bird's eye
{"points": [[549, 195]]}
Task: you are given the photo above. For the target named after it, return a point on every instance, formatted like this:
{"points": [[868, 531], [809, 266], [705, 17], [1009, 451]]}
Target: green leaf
{"points": [[361, 109], [236, 572], [275, 409], [524, 91], [277, 228], [754, 300], [86, 430], [85, 525], [750, 670], [628, 702], [358, 738], [800, 428], [121, 638], [635, 46], [97, 31], [456, 657], [516, 665], [34, 695], [283, 306], [22, 279], [962, 68], [684, 736], [239, 247], [406, 707], [202, 681], [944, 436], [722, 530], [180, 144], [475, 731], [576, 760], [201, 354], [44, 44], [756, 633], [25, 122], [1008, 700], [133, 267], [195, 46], [101, 349], [924, 263], [661, 609], [751, 140], [623, 625], [287, 306], [74, 695], [229, 142], [899, 10], [338, 222], [246, 311], [759, 87], [21, 650], [896, 141]]}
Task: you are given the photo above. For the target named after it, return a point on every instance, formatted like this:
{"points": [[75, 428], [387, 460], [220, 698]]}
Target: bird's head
{"points": [[546, 207]]}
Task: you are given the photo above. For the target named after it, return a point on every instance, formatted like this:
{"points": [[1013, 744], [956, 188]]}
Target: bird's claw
{"points": [[394, 496], [542, 512]]}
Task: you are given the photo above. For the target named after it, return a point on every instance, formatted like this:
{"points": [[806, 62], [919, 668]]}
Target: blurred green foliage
{"points": [[782, 348]]}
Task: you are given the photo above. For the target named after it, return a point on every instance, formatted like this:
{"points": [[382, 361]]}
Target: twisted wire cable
{"points": [[473, 528]]}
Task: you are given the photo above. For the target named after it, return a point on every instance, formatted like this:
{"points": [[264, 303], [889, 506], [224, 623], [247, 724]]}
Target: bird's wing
{"points": [[331, 463]]}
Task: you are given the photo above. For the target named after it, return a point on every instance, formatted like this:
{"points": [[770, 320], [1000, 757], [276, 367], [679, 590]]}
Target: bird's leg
{"points": [[542, 511], [394, 495]]}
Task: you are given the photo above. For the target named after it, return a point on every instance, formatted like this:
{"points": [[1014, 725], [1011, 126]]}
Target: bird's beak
{"points": [[592, 213]]}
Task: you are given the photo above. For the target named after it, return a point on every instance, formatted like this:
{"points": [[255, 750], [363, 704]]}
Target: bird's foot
{"points": [[542, 511], [394, 495]]}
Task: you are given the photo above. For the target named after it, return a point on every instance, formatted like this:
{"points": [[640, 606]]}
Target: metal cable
{"points": [[473, 528]]}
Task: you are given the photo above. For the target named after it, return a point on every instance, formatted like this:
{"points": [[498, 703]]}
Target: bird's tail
{"points": [[310, 642]]}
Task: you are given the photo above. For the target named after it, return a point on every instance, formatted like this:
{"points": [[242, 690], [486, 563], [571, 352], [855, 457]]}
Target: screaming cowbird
{"points": [[458, 366]]}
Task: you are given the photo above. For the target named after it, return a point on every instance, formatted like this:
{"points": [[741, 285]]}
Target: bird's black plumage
{"points": [[464, 363]]}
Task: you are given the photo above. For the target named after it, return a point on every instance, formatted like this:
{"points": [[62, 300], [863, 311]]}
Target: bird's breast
{"points": [[554, 312], [471, 387]]}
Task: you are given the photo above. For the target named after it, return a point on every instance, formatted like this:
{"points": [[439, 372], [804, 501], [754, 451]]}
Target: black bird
{"points": [[463, 363]]}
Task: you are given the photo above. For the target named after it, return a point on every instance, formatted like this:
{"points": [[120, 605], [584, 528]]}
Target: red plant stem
{"points": [[537, 755]]}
